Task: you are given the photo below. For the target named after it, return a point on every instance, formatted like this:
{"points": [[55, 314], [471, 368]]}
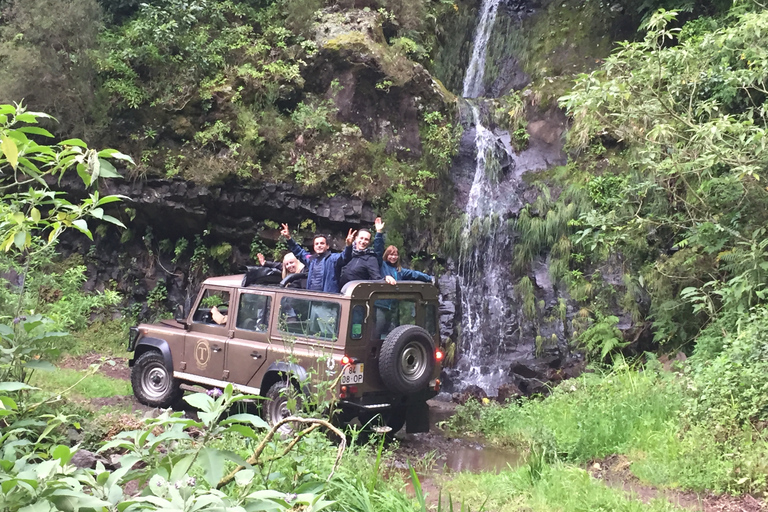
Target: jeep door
{"points": [[206, 339], [307, 332], [247, 349]]}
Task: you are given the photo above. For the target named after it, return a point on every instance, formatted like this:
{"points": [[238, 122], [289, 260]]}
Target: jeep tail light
{"points": [[343, 392], [439, 355], [349, 360]]}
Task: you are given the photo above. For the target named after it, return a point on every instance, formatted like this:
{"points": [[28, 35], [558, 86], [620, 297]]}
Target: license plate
{"points": [[352, 374]]}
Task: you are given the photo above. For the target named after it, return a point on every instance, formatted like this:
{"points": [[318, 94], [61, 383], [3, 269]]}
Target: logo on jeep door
{"points": [[202, 354]]}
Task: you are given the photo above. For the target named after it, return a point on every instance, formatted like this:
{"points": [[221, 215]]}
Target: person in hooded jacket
{"points": [[360, 262]]}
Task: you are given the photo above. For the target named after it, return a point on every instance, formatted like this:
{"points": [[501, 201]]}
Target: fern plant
{"points": [[602, 337]]}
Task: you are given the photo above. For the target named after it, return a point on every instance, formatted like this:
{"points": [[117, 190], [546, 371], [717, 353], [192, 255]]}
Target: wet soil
{"points": [[614, 471], [113, 367]]}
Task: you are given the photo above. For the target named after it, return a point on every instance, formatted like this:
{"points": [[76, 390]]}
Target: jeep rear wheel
{"points": [[394, 418], [275, 407], [407, 359], [153, 384]]}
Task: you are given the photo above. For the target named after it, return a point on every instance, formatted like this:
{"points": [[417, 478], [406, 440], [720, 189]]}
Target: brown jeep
{"points": [[384, 339]]}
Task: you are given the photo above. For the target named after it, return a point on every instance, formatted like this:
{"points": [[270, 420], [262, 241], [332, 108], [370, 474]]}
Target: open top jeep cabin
{"points": [[384, 339]]}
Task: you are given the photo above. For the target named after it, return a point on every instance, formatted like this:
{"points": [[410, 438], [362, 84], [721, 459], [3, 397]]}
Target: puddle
{"points": [[479, 459], [466, 454]]}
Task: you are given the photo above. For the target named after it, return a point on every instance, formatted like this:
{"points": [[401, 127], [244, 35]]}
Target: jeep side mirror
{"points": [[179, 315]]}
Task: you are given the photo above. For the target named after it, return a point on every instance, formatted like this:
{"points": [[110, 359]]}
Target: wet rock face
{"points": [[233, 212]]}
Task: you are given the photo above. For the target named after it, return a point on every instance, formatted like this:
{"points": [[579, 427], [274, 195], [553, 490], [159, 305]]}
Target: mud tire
{"points": [[275, 407], [153, 383], [407, 359]]}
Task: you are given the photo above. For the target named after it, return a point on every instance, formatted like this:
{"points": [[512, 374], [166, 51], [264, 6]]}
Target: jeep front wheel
{"points": [[153, 384], [407, 359]]}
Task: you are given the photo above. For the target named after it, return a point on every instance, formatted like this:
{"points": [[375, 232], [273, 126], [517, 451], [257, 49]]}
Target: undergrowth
{"points": [[645, 413]]}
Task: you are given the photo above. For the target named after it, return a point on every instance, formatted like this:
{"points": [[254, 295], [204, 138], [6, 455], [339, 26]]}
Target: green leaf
{"points": [[254, 420], [108, 170], [73, 142], [20, 239], [35, 130], [11, 152], [38, 364], [82, 226], [82, 171], [34, 214], [110, 199], [97, 212], [26, 118], [7, 109], [200, 401], [182, 467], [112, 220], [8, 404], [63, 453], [113, 153], [14, 386], [212, 461]]}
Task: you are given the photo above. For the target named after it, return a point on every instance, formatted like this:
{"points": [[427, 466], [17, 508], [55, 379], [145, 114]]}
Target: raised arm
{"points": [[378, 240], [297, 250]]}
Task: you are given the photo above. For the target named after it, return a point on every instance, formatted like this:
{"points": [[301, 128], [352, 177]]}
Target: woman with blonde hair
{"points": [[290, 265]]}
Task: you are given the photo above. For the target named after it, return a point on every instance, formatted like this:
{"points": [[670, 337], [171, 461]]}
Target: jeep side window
{"points": [[253, 312], [212, 299], [313, 318], [358, 317], [429, 320]]}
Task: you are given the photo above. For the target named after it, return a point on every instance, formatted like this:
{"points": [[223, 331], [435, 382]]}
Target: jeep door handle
{"points": [[216, 348], [255, 355]]}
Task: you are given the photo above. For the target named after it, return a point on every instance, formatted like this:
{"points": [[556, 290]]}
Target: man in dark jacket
{"points": [[323, 266], [359, 261]]}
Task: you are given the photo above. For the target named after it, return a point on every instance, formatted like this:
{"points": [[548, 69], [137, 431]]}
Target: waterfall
{"points": [[487, 321], [489, 324], [473, 80]]}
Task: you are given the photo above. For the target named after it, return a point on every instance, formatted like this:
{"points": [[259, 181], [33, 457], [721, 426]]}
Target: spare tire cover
{"points": [[407, 359]]}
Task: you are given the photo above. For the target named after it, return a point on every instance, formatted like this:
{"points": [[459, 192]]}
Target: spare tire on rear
{"points": [[407, 359]]}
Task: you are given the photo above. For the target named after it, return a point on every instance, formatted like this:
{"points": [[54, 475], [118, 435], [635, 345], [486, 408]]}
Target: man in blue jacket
{"points": [[324, 267]]}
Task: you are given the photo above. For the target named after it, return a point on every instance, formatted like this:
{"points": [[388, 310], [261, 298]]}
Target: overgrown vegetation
{"points": [[651, 417]]}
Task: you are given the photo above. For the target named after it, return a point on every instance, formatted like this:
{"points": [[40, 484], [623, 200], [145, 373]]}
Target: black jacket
{"points": [[359, 266]]}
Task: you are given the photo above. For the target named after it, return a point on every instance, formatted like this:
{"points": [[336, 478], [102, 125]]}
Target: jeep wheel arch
{"points": [[156, 344], [282, 371], [407, 359]]}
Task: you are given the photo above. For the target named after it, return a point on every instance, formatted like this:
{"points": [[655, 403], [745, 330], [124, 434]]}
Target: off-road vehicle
{"points": [[384, 339]]}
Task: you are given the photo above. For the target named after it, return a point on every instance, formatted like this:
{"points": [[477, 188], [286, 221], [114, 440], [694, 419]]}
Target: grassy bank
{"points": [[640, 413]]}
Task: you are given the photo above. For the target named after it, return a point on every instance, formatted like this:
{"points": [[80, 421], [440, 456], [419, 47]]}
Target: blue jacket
{"points": [[331, 267], [404, 274]]}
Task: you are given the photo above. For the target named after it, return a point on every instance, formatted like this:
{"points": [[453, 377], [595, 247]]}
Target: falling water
{"points": [[473, 80], [488, 324]]}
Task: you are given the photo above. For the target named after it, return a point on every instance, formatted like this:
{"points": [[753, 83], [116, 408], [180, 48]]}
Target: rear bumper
{"points": [[381, 401]]}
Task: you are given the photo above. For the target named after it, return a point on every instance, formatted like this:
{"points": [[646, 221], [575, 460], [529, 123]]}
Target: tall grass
{"points": [[559, 487], [593, 416], [639, 413]]}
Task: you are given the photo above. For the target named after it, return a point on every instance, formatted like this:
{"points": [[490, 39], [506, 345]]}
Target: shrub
{"points": [[731, 386]]}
